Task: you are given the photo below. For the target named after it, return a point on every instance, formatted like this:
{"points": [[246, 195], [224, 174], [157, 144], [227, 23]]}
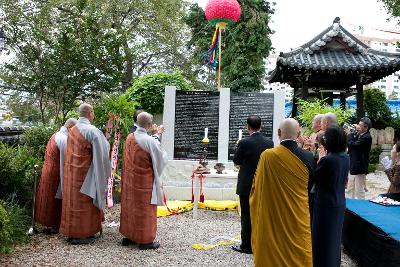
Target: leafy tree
{"points": [[392, 6], [308, 110], [376, 108], [25, 109], [245, 45], [68, 50], [148, 90], [118, 105]]}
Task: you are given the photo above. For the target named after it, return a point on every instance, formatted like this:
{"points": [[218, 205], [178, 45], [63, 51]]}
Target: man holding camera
{"points": [[359, 145]]}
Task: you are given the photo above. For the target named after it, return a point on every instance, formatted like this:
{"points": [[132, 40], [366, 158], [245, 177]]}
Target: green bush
{"points": [[376, 108], [308, 109], [14, 222], [35, 139], [374, 155], [16, 174], [371, 167], [5, 238], [148, 91], [116, 104]]}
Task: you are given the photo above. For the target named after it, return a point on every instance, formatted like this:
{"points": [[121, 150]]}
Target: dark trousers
{"points": [[246, 223]]}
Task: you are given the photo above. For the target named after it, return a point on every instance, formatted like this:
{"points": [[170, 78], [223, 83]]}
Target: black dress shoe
{"points": [[126, 242], [50, 231], [239, 249], [153, 245], [81, 241]]}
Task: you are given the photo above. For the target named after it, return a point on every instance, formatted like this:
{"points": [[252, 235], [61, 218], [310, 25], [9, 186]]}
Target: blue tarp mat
{"points": [[387, 218]]}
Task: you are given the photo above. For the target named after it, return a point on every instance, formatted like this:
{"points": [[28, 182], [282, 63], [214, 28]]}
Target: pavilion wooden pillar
{"points": [[294, 103], [360, 101], [304, 90], [329, 98], [343, 100]]}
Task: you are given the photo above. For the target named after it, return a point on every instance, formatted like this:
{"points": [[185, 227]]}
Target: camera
{"points": [[350, 127]]}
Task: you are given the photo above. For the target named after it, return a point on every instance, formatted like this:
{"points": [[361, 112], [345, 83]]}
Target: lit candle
{"points": [[205, 132], [240, 134]]}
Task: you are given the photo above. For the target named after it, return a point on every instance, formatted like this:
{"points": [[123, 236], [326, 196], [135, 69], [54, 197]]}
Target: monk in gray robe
{"points": [[144, 161], [48, 199], [86, 169]]}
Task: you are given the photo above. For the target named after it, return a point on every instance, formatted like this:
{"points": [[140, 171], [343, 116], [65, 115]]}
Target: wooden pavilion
{"points": [[334, 61]]}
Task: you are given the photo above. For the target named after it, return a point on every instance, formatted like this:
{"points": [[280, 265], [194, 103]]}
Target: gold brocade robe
{"points": [[280, 219]]}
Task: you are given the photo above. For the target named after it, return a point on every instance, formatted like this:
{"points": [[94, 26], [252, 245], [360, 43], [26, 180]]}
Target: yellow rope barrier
{"points": [[224, 241]]}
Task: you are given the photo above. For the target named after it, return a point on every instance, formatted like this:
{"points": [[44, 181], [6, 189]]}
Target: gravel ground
{"points": [[175, 233]]}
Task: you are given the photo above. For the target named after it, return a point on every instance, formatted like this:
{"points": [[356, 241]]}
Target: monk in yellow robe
{"points": [[280, 219]]}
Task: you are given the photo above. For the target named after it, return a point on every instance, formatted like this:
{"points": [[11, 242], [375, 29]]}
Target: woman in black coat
{"points": [[329, 201]]}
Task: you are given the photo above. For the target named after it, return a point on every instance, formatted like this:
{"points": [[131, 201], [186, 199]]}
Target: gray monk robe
{"points": [[61, 141], [143, 164], [86, 169]]}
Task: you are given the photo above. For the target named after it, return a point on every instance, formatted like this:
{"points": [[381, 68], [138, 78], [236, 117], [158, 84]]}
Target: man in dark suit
{"points": [[247, 155], [359, 145]]}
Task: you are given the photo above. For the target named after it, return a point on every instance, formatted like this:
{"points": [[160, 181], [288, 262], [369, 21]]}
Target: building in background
{"points": [[270, 64], [377, 40], [390, 84]]}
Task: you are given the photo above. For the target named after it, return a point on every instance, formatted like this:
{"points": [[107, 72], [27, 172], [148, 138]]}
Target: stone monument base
{"points": [[177, 181], [386, 148]]}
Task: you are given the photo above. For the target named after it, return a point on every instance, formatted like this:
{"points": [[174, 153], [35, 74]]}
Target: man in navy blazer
{"points": [[246, 156], [359, 146]]}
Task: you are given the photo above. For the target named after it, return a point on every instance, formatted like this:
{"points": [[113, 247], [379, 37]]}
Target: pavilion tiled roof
{"points": [[335, 49]]}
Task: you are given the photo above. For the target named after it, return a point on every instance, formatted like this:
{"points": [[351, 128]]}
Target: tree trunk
{"points": [[41, 106], [128, 71], [360, 101]]}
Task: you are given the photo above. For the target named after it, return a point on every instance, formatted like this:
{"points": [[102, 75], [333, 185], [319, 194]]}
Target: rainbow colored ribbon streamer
{"points": [[211, 56]]}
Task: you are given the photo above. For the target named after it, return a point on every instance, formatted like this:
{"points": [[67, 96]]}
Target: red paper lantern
{"points": [[222, 12]]}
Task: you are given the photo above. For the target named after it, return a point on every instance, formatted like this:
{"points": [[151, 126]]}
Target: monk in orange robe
{"points": [[143, 164], [48, 198], [86, 169], [280, 219]]}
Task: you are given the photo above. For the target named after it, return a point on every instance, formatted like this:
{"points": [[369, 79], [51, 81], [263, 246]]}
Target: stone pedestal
{"points": [[386, 148], [178, 182]]}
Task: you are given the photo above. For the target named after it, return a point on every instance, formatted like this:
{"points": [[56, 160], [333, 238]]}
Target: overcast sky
{"points": [[296, 22]]}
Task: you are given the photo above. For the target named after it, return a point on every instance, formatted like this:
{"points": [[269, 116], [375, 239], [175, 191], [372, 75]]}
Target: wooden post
{"points": [[304, 90], [294, 104], [219, 58], [360, 101], [330, 99], [343, 100]]}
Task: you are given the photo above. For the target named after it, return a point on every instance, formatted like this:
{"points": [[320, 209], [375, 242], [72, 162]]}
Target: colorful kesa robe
{"points": [[47, 207], [86, 169], [280, 219], [141, 187]]}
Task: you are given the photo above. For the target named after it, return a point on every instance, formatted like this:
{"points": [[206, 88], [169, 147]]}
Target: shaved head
{"points": [[329, 119], [70, 123], [318, 118], [85, 109], [145, 120], [289, 129], [316, 122]]}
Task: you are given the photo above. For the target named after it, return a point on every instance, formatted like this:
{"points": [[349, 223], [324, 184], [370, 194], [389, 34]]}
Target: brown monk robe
{"points": [[138, 217], [47, 207], [80, 218]]}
